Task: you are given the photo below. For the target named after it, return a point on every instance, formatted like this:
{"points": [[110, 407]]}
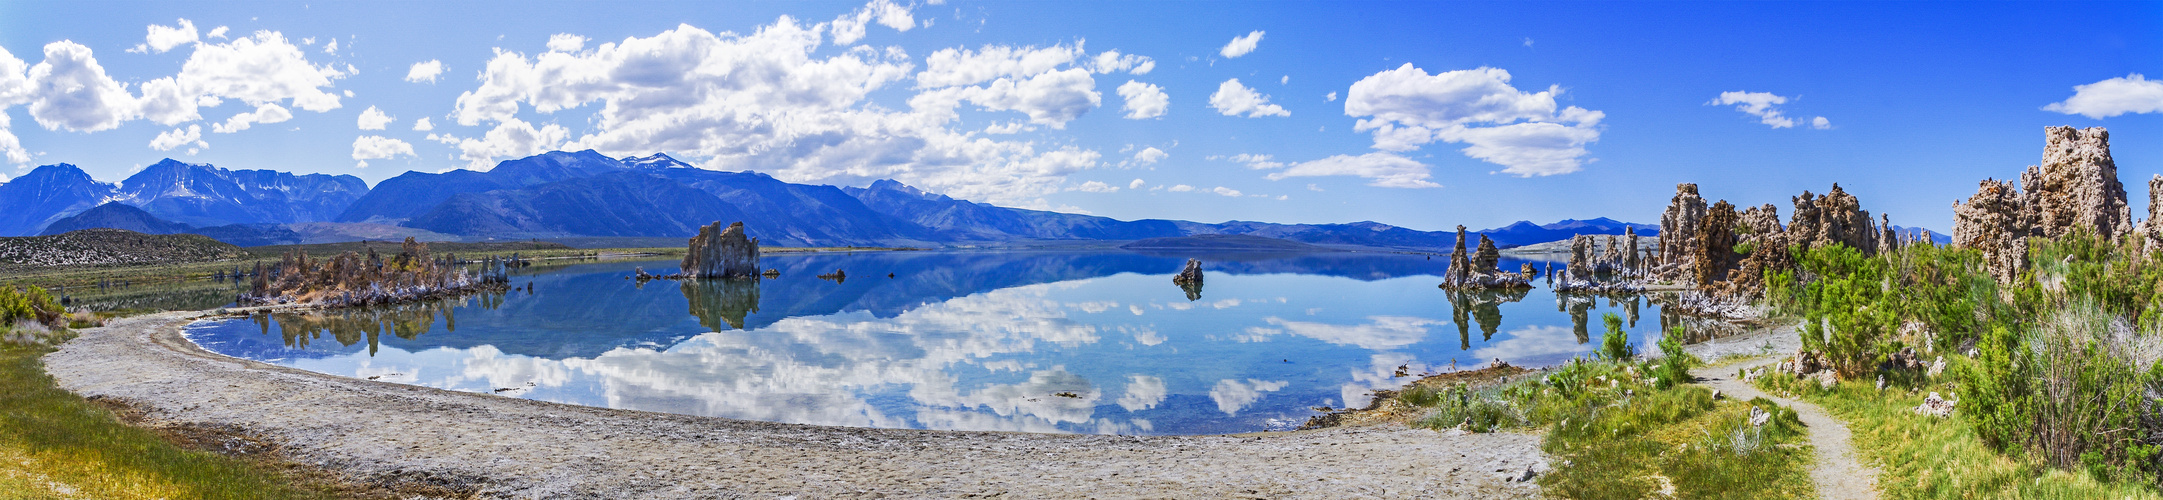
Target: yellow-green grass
{"points": [[1921, 457], [54, 444], [1679, 442]]}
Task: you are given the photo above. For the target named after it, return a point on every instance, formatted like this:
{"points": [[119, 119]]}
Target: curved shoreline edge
{"points": [[398, 436]]}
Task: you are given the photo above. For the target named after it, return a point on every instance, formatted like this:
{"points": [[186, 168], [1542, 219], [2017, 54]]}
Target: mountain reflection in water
{"points": [[1023, 341]]}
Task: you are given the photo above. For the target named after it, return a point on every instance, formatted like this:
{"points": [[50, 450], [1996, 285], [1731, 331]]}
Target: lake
{"points": [[1090, 342]]}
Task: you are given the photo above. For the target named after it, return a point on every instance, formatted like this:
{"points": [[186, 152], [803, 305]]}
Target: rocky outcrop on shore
{"points": [[721, 253], [1727, 253], [1479, 270], [2075, 188]]}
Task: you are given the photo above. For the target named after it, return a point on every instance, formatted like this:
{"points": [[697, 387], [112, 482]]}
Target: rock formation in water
{"points": [[1480, 269], [1190, 274], [2075, 187], [722, 253], [352, 279]]}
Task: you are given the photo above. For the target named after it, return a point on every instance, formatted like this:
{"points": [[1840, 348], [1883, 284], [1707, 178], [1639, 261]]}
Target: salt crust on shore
{"points": [[405, 437]]}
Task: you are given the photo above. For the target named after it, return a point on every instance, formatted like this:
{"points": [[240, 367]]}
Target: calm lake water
{"points": [[1017, 341]]}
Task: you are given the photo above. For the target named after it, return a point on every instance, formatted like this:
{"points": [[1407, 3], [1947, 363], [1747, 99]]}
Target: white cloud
{"points": [[259, 71], [164, 38], [425, 71], [1137, 184], [1241, 45], [218, 32], [375, 119], [1112, 61], [1226, 192], [1286, 80], [1148, 156], [1524, 132], [1181, 188], [10, 146], [1009, 128], [70, 91], [1232, 395], [849, 28], [1330, 97], [332, 47], [1821, 123], [423, 125], [2129, 94], [1379, 333], [1762, 105], [1144, 100], [266, 113], [512, 138], [566, 42], [1234, 99], [762, 101], [1095, 187], [1143, 392], [178, 137], [1382, 169], [376, 147]]}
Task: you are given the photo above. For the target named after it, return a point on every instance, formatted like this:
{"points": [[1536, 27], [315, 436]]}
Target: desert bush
{"points": [[1674, 363], [1615, 345]]}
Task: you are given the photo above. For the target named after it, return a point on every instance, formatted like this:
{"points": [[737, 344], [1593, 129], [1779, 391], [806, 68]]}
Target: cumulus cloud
{"points": [[164, 38], [332, 47], [427, 71], [762, 101], [10, 146], [2129, 94], [218, 32], [1181, 188], [1148, 156], [423, 125], [1821, 123], [70, 91], [1226, 192], [1095, 187], [1144, 100], [849, 28], [1234, 99], [565, 42], [1111, 61], [1241, 45], [1381, 169], [375, 119], [266, 113], [1137, 184], [178, 137], [1763, 105], [1525, 132], [512, 138], [376, 147]]}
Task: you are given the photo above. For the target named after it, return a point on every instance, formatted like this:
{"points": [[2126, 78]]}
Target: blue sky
{"points": [[1395, 112]]}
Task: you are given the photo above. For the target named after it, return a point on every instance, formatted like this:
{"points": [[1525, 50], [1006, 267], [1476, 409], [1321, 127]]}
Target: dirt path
{"points": [[1836, 471], [408, 437]]}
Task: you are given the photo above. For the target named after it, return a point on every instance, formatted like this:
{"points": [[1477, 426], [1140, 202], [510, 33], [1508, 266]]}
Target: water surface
{"points": [[1022, 341]]}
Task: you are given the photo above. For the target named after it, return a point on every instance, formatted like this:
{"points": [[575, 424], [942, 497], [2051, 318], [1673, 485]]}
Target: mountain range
{"points": [[586, 194]]}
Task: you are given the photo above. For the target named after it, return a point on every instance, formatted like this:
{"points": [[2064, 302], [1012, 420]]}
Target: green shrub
{"points": [[1615, 346], [1674, 364]]}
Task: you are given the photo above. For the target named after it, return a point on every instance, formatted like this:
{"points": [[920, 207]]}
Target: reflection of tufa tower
{"points": [[715, 302]]}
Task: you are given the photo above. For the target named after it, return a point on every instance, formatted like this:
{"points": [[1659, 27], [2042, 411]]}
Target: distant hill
{"points": [[1524, 233], [116, 215], [1224, 242], [107, 247]]}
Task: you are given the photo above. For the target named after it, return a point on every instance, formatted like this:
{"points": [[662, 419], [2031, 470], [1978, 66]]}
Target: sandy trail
{"points": [[1836, 471], [409, 437]]}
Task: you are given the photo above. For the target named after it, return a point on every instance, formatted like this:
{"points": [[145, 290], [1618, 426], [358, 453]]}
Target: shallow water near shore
{"points": [[1097, 342]]}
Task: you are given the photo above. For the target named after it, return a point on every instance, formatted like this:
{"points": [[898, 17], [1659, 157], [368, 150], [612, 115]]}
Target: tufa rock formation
{"points": [[719, 253], [2076, 186], [1480, 270], [1678, 234], [1190, 274]]}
